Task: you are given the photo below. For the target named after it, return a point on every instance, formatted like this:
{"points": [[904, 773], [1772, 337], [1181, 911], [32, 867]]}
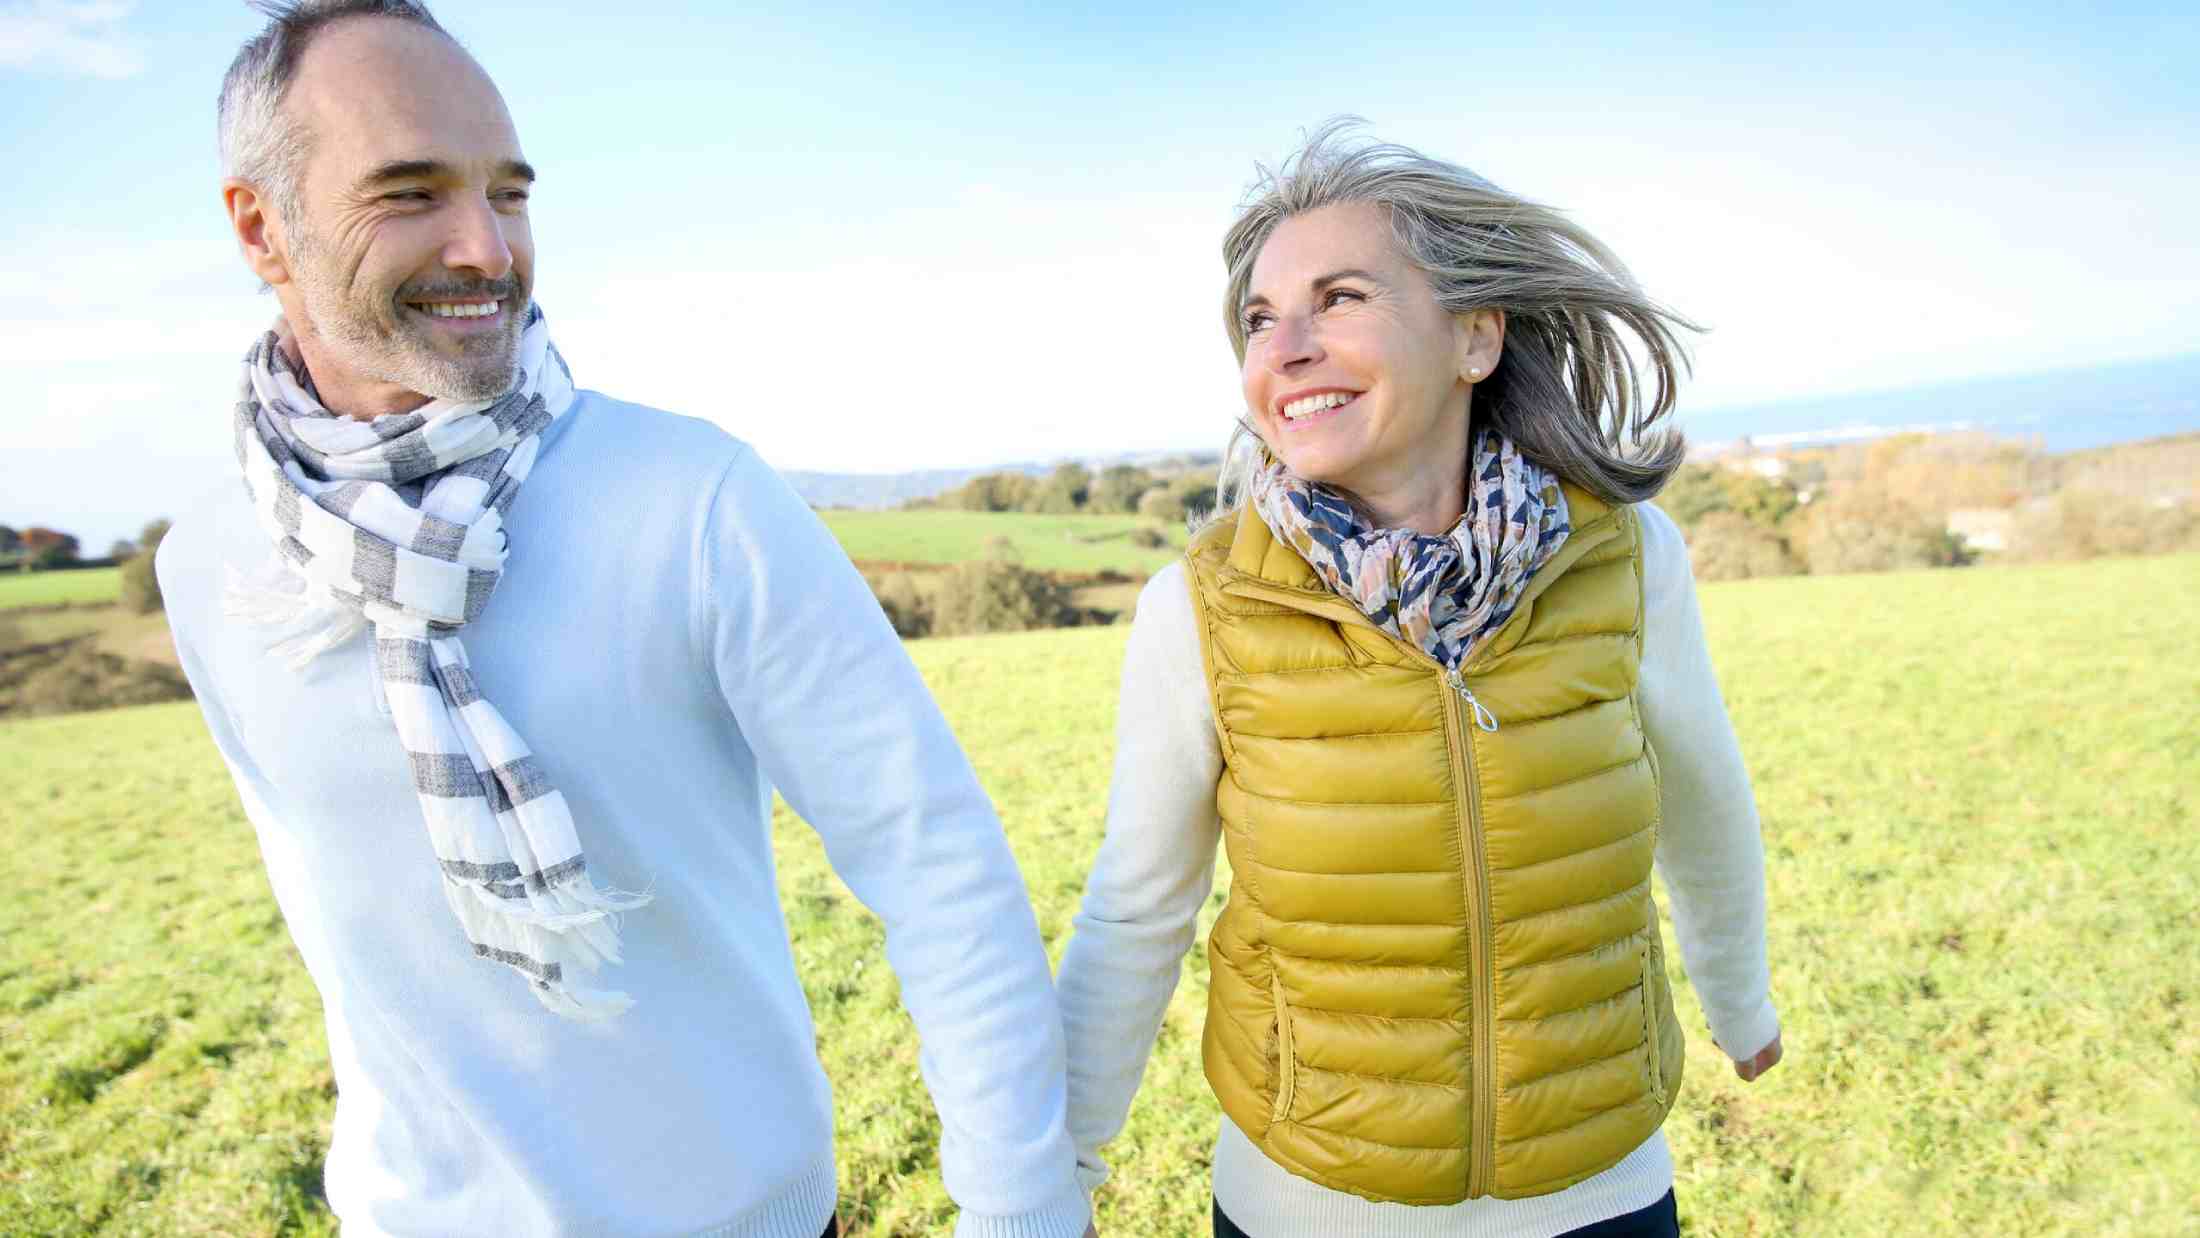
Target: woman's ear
{"points": [[1480, 338]]}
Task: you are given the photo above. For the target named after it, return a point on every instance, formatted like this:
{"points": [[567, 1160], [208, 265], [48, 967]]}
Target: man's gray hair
{"points": [[260, 145], [1568, 390]]}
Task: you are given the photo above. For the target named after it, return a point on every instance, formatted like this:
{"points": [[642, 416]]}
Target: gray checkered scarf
{"points": [[397, 524]]}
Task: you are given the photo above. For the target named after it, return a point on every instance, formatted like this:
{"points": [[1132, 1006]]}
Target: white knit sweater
{"points": [[1156, 867], [676, 636]]}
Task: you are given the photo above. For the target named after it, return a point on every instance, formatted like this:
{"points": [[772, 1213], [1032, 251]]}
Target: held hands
{"points": [[1767, 1058]]}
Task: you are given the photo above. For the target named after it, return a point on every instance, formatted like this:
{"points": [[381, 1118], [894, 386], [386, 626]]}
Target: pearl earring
{"points": [[1474, 371]]}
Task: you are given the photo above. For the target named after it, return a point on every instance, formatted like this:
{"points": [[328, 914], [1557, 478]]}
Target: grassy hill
{"points": [[87, 585], [1085, 544], [1980, 816], [1049, 543]]}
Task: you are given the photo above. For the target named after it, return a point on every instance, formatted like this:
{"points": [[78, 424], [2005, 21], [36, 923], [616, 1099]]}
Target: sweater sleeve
{"points": [[844, 727], [1153, 873], [1709, 849]]}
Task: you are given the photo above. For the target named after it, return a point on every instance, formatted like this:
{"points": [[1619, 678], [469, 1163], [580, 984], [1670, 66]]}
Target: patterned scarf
{"points": [[398, 524], [1444, 594]]}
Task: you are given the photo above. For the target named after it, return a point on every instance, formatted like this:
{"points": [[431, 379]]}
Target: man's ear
{"points": [[1479, 336], [258, 231]]}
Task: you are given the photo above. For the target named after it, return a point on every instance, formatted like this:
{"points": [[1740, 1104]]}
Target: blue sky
{"points": [[873, 238]]}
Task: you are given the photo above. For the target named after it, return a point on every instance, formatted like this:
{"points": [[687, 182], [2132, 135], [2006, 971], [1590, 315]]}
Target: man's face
{"points": [[410, 259]]}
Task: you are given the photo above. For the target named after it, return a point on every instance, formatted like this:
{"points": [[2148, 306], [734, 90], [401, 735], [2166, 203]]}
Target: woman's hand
{"points": [[1767, 1058]]}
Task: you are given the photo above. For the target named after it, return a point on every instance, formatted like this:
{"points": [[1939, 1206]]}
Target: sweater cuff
{"points": [[1741, 1039], [1064, 1216]]}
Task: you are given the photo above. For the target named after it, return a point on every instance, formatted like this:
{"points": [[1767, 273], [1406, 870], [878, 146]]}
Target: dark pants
{"points": [[1659, 1220], [832, 1228]]}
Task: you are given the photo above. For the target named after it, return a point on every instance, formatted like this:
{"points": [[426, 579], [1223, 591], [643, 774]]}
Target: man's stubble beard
{"points": [[376, 337]]}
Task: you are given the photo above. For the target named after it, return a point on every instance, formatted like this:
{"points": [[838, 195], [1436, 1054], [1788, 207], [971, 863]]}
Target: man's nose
{"points": [[476, 241]]}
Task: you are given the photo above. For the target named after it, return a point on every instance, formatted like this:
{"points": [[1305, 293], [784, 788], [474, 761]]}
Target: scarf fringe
{"points": [[550, 948], [318, 623]]}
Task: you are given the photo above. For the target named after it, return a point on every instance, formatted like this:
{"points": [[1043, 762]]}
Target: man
{"points": [[482, 651]]}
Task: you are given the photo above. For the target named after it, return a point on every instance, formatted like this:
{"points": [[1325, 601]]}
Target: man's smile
{"points": [[458, 309]]}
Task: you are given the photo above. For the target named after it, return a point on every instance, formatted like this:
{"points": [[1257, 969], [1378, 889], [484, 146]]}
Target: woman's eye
{"points": [[1338, 296], [1256, 321]]}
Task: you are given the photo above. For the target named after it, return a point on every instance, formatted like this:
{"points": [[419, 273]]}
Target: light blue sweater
{"points": [[675, 635]]}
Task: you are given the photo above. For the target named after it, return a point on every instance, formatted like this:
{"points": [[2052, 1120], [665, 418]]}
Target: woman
{"points": [[1435, 677]]}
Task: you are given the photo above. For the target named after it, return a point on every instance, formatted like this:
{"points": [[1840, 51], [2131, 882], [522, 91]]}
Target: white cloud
{"points": [[76, 36]]}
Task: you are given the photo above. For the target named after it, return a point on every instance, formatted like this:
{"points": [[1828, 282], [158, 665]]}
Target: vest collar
{"points": [[1261, 568]]}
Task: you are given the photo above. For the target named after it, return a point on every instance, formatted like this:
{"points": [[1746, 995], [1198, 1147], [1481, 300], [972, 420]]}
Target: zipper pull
{"points": [[1482, 716]]}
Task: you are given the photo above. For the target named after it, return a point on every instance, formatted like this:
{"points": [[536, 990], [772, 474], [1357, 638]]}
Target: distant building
{"points": [[1983, 528]]}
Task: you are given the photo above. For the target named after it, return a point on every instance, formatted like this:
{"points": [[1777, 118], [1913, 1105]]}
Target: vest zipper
{"points": [[1482, 716], [1481, 1148]]}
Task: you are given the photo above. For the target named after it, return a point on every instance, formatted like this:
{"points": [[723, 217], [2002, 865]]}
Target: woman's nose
{"points": [[1291, 343]]}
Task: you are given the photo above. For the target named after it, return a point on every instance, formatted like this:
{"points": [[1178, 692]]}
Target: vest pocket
{"points": [[1651, 967], [1286, 1066]]}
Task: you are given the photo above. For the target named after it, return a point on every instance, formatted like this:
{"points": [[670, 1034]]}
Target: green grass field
{"points": [[1979, 800], [96, 584], [1049, 543]]}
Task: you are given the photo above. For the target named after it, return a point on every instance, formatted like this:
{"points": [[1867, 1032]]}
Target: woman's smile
{"points": [[1301, 410]]}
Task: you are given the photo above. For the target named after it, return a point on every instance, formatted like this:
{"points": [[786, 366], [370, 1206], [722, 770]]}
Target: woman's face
{"points": [[1353, 374]]}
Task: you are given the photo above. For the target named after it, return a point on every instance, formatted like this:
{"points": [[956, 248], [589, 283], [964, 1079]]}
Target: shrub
{"points": [[993, 492], [1148, 539], [1865, 528], [140, 587], [1161, 503], [1726, 546], [1185, 498], [1197, 493], [907, 604], [1063, 492], [996, 595], [1117, 489], [2084, 524], [1698, 490]]}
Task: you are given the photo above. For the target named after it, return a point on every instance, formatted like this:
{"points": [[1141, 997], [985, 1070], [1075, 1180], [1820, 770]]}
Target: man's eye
{"points": [[406, 195]]}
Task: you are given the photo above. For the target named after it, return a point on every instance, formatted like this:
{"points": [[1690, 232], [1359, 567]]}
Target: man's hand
{"points": [[1767, 1058]]}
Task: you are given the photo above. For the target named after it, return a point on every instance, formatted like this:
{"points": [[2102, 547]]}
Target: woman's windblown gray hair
{"points": [[1581, 337]]}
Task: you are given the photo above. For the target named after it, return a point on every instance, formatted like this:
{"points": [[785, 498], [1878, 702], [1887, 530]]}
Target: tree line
{"points": [[1119, 489], [39, 548], [1903, 502]]}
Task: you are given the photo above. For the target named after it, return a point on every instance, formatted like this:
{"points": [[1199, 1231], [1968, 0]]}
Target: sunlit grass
{"points": [[1048, 543], [1978, 798], [94, 584]]}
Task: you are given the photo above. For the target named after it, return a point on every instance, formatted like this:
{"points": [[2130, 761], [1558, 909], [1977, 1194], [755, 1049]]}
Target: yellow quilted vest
{"points": [[1438, 975]]}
